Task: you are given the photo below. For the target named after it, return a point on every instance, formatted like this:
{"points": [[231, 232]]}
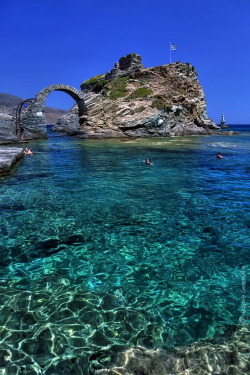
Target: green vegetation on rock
{"points": [[190, 70], [93, 80], [100, 84], [143, 81], [182, 91], [160, 103], [96, 83], [118, 88], [139, 109], [141, 92]]}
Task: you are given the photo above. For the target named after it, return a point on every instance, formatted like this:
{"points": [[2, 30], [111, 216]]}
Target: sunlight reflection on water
{"points": [[101, 252]]}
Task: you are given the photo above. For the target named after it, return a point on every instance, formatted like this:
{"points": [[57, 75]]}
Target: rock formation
{"points": [[9, 159], [229, 357], [133, 101], [7, 129], [68, 123], [8, 106]]}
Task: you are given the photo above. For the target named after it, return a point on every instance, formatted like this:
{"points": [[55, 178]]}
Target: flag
{"points": [[172, 47]]}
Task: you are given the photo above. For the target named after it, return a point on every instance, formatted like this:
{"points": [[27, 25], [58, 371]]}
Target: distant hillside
{"points": [[52, 114], [9, 103]]}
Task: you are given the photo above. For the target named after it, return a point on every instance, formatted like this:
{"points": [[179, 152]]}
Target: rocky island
{"points": [[128, 101], [133, 101]]}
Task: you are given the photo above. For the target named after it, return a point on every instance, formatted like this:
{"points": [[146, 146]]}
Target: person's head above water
{"points": [[148, 161], [219, 156]]}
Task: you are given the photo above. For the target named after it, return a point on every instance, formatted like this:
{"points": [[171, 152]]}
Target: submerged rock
{"points": [[231, 357], [133, 101]]}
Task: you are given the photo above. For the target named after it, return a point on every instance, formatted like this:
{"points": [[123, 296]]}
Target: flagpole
{"points": [[172, 47]]}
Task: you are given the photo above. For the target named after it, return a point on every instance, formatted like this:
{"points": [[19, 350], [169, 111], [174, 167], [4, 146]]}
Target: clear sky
{"points": [[44, 42]]}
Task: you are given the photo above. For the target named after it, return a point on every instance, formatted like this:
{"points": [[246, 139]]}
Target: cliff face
{"points": [[132, 101]]}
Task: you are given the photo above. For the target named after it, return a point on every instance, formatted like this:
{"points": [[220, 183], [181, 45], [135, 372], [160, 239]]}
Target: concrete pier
{"points": [[9, 159]]}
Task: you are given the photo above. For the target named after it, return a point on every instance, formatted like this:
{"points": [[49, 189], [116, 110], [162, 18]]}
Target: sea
{"points": [[101, 253]]}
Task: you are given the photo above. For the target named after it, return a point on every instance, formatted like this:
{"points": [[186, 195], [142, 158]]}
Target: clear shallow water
{"points": [[100, 252]]}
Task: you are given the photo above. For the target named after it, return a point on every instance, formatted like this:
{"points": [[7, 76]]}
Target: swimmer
{"points": [[219, 156], [148, 161], [27, 151]]}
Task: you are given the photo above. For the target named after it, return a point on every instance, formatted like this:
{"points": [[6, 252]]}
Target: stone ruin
{"points": [[127, 64]]}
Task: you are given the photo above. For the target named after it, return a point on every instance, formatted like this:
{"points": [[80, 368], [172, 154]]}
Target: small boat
{"points": [[223, 124]]}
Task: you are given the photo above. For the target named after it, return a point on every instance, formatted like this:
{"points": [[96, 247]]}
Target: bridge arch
{"points": [[42, 95], [33, 121]]}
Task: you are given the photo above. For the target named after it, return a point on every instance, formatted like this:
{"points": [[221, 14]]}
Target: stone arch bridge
{"points": [[33, 120]]}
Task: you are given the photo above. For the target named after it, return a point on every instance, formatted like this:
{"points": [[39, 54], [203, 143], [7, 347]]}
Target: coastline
{"points": [[11, 156]]}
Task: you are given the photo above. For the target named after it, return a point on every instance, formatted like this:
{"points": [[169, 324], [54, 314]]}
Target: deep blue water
{"points": [[100, 252]]}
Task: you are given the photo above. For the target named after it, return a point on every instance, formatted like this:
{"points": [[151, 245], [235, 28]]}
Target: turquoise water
{"points": [[100, 252]]}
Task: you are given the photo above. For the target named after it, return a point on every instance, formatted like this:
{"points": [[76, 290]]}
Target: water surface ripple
{"points": [[100, 253]]}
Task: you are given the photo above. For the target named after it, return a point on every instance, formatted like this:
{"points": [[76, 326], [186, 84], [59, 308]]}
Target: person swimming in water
{"points": [[148, 161], [219, 156], [27, 151]]}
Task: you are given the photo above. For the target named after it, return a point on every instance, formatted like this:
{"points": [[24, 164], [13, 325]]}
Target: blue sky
{"points": [[68, 41]]}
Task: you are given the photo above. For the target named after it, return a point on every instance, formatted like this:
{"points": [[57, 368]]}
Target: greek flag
{"points": [[172, 47]]}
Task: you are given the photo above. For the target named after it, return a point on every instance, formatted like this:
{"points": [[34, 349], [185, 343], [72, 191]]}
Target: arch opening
{"points": [[34, 122]]}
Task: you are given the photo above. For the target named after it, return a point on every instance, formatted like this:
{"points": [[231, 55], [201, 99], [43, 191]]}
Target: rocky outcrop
{"points": [[68, 123], [9, 159], [230, 357], [8, 106], [133, 101], [126, 65], [7, 129]]}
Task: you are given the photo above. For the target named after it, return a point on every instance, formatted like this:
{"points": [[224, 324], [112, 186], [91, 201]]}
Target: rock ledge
{"points": [[9, 159]]}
